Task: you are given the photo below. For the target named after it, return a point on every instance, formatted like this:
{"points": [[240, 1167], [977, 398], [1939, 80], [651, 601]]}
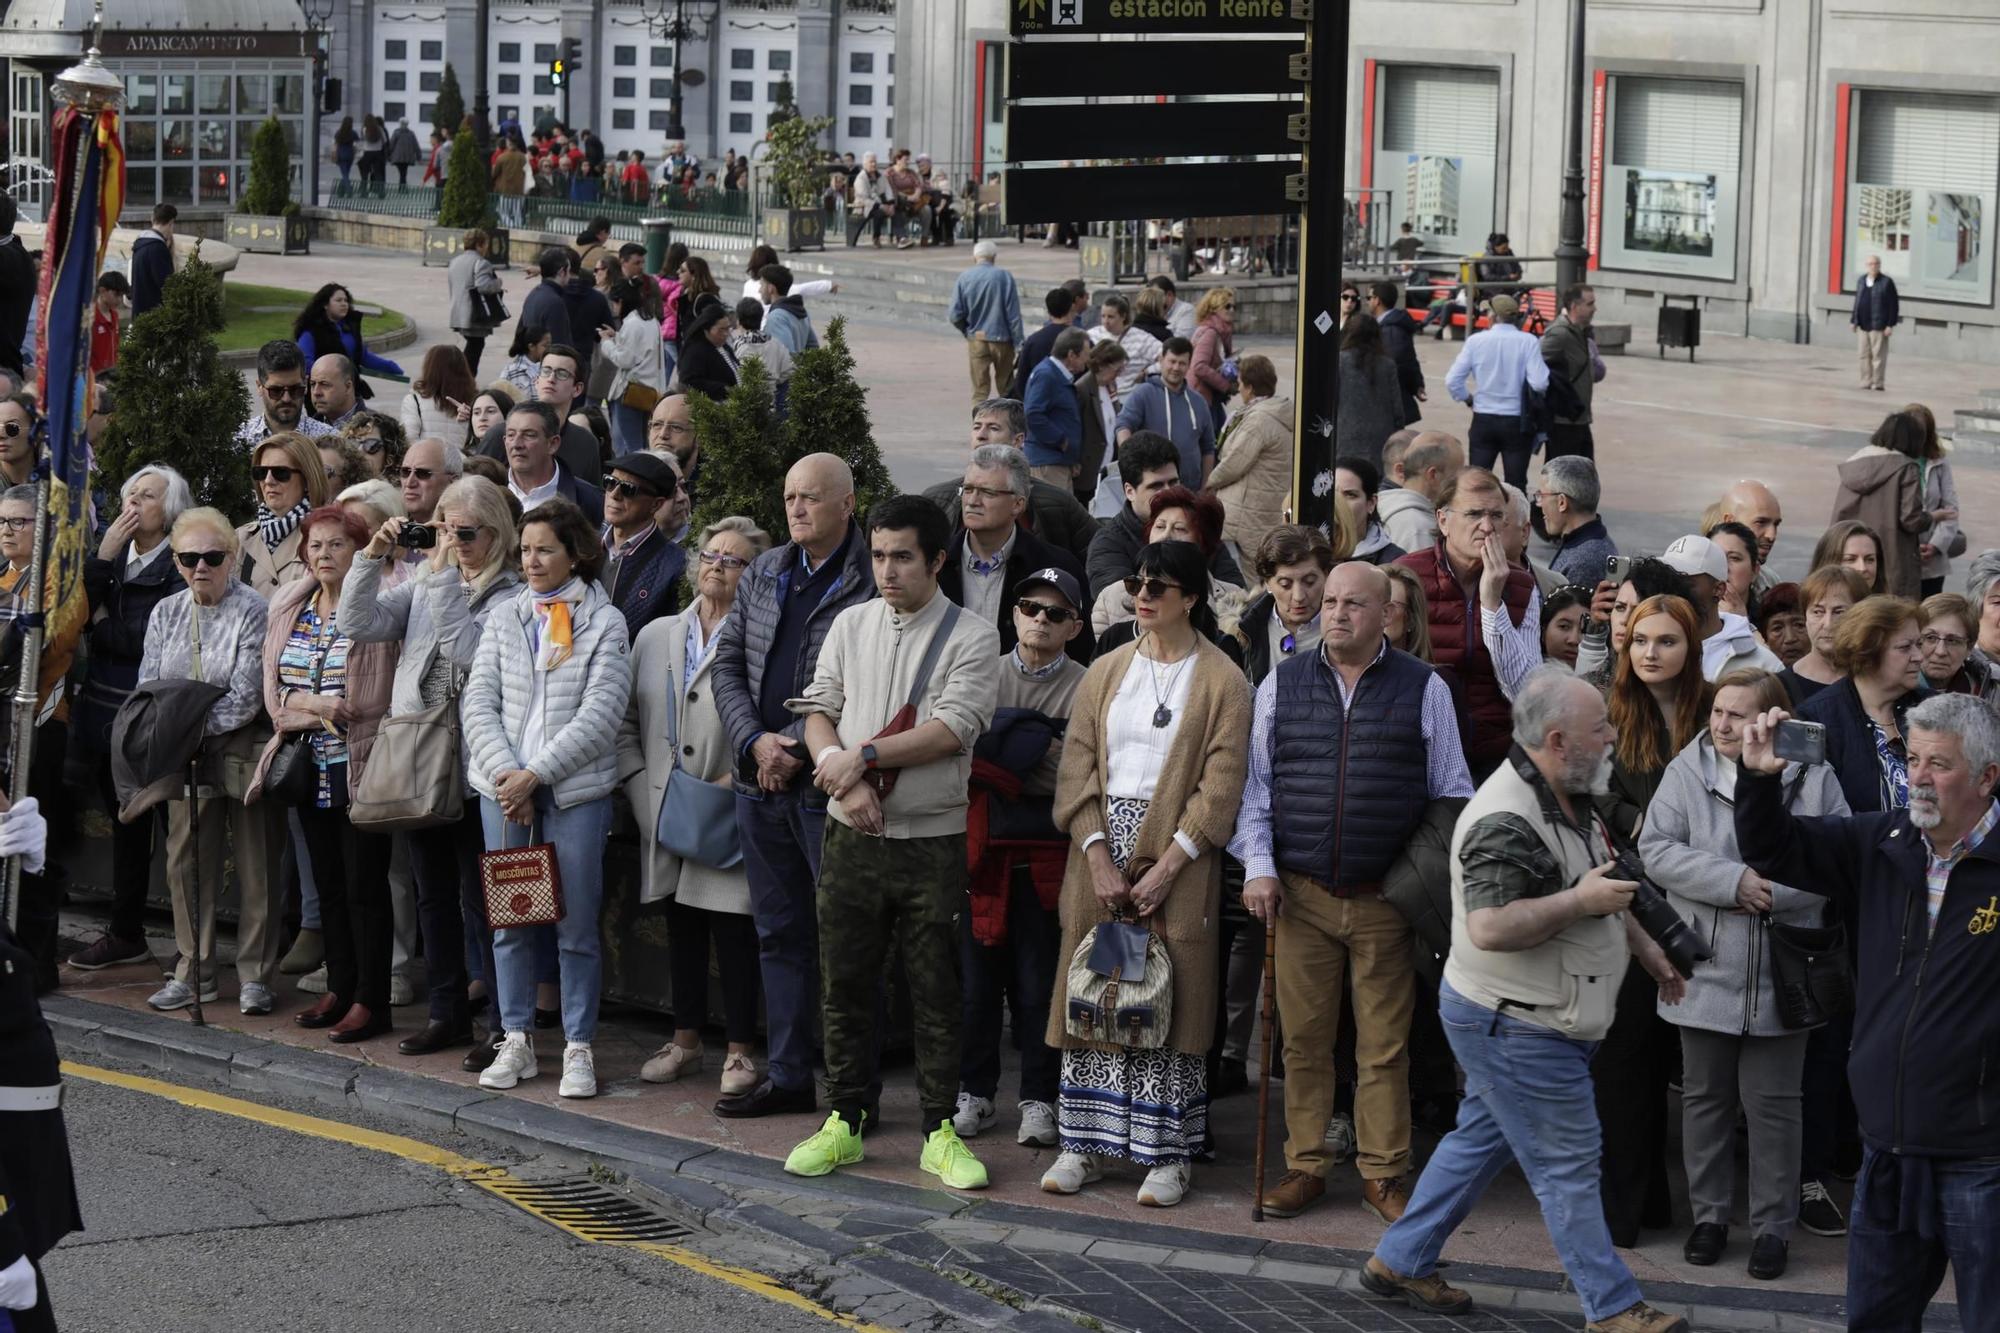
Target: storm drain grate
{"points": [[589, 1210]]}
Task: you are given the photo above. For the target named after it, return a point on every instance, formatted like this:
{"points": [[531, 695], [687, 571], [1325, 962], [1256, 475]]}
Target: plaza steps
{"points": [[1977, 429]]}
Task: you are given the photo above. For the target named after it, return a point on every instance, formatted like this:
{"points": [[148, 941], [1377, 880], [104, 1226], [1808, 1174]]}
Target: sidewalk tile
{"points": [[1203, 1261], [959, 1229], [1138, 1254], [1055, 1242], [1312, 1275]]}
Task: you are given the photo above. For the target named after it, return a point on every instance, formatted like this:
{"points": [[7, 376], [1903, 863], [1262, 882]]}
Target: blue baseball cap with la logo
{"points": [[1062, 581]]}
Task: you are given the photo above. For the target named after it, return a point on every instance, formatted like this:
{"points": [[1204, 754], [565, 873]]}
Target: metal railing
{"points": [[725, 211]]}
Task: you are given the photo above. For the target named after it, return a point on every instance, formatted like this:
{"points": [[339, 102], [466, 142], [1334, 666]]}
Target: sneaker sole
{"points": [[185, 1004], [1822, 1231], [513, 1082], [1037, 1141], [578, 1094], [1052, 1187], [1391, 1291]]}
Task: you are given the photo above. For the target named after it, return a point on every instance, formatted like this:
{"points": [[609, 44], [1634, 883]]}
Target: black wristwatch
{"points": [[868, 755]]}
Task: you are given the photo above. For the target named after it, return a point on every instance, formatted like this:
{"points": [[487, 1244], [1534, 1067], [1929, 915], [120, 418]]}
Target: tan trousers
{"points": [[1874, 356], [981, 354], [257, 833], [1057, 475], [1322, 940]]}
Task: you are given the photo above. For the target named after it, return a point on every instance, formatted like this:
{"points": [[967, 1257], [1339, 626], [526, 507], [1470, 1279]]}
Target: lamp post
{"points": [[316, 13], [668, 19], [1571, 252], [482, 124]]}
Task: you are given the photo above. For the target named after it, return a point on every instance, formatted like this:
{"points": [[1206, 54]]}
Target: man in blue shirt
{"points": [[986, 308], [1504, 362], [1055, 418], [1165, 404]]}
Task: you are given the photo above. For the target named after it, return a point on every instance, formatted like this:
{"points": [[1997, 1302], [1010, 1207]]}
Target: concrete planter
{"points": [[265, 235], [795, 229], [442, 244]]}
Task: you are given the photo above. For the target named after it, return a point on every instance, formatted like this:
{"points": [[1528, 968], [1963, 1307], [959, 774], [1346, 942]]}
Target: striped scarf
{"points": [[276, 527]]}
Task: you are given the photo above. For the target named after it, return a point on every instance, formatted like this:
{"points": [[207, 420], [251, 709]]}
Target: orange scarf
{"points": [[553, 635]]}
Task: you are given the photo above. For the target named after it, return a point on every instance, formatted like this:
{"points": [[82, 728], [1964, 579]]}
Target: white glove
{"points": [[18, 1288], [24, 833]]}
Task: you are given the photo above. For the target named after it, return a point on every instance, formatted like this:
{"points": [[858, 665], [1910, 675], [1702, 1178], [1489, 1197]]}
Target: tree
{"points": [[450, 110], [743, 460], [269, 193], [795, 161], [465, 202], [177, 403], [827, 412]]}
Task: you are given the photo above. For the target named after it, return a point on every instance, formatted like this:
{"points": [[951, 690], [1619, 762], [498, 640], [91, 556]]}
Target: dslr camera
{"points": [[417, 537], [1658, 918]]}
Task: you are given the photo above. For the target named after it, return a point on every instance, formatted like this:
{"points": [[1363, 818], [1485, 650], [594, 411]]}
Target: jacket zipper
{"points": [[1346, 715], [1910, 1016]]}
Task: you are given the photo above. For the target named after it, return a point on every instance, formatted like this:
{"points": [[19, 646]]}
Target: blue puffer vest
{"points": [[1348, 787]]}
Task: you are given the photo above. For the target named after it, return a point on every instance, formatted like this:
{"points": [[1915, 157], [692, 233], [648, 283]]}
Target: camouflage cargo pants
{"points": [[874, 892]]}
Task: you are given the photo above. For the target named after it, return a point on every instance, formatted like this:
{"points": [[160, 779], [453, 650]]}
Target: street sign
{"points": [[1139, 129], [1117, 194], [1168, 69], [1236, 18]]}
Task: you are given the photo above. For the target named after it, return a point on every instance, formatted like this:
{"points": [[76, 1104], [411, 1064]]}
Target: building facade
{"points": [[1749, 153]]}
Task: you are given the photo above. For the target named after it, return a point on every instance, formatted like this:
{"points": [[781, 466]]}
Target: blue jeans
{"points": [[578, 834], [1893, 1270], [628, 429], [1528, 1098]]}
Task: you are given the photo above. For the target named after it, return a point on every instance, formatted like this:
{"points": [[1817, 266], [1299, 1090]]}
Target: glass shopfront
{"points": [[1925, 167], [1672, 163]]}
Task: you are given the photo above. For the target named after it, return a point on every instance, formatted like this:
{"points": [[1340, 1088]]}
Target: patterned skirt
{"points": [[1150, 1107]]}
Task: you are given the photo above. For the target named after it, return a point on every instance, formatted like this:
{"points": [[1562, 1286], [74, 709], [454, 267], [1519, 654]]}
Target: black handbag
{"points": [[1810, 973], [292, 777]]}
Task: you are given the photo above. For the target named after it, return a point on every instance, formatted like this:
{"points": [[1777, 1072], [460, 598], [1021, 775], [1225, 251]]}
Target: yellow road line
{"points": [[483, 1174]]}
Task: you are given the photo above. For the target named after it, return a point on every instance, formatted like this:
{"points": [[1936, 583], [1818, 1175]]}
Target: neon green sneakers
{"points": [[834, 1145], [947, 1158]]}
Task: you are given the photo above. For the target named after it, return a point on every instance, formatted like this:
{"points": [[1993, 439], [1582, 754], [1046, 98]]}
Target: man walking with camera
{"points": [[1540, 938]]}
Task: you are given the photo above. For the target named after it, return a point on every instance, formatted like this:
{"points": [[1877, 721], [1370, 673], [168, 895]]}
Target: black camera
{"points": [[1658, 918], [417, 537]]}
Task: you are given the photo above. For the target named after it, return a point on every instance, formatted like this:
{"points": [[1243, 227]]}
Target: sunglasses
{"points": [[630, 491], [723, 561], [1345, 298], [284, 391], [366, 445], [13, 429], [1154, 588], [465, 536], [420, 473], [1056, 615], [189, 559], [281, 475]]}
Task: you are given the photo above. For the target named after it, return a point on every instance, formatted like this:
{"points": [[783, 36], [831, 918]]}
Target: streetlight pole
{"points": [[678, 30], [1571, 252], [482, 125], [316, 12]]}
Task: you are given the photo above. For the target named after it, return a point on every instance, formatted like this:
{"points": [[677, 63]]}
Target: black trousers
{"points": [[351, 871], [41, 895], [41, 1319], [473, 348], [131, 861], [1828, 1119], [690, 932], [1566, 439], [1632, 1068], [445, 861], [1024, 966], [1499, 438]]}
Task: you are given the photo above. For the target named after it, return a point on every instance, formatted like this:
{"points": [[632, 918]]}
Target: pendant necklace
{"points": [[1163, 716]]}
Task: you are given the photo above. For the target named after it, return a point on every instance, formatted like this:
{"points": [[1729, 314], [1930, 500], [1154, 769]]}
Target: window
{"points": [[774, 92], [428, 80], [1923, 186], [660, 89], [742, 58], [621, 119], [624, 87], [624, 55], [778, 60], [892, 62], [392, 111], [394, 80], [543, 86], [510, 53], [860, 127], [739, 122], [860, 94], [544, 52], [861, 62], [657, 120], [742, 90], [889, 95], [426, 112], [510, 84], [430, 50], [396, 50], [1437, 151], [662, 57], [1670, 176]]}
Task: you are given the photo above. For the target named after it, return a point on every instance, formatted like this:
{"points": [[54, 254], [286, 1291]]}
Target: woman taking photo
{"points": [[330, 324], [1827, 594], [1948, 628], [1882, 485], [214, 630], [475, 286], [439, 403], [1151, 777], [1658, 703], [541, 712], [436, 616], [1371, 397], [1737, 1056], [1853, 545], [524, 366], [672, 722], [327, 695], [290, 482], [633, 346]]}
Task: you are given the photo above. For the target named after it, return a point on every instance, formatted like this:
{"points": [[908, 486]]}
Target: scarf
{"points": [[276, 527], [553, 631]]}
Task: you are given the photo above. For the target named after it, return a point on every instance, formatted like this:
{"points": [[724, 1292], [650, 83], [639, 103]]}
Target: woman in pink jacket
{"points": [[1215, 346]]}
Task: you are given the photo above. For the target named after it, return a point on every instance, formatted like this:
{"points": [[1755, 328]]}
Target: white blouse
{"points": [[1136, 750]]}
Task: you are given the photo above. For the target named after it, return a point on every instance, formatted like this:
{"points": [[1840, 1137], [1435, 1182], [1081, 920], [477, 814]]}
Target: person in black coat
{"points": [[995, 499], [152, 257], [1399, 340], [17, 288], [1035, 349], [642, 565], [707, 365], [1877, 312]]}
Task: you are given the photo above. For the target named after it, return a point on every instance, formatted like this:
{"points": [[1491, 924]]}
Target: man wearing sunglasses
{"points": [[17, 440], [429, 467], [642, 568], [990, 551], [281, 389]]}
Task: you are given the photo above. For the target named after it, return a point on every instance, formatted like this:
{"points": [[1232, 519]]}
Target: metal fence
{"points": [[728, 212]]}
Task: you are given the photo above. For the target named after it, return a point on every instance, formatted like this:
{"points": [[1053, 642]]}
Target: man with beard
{"points": [[1538, 925], [281, 391]]}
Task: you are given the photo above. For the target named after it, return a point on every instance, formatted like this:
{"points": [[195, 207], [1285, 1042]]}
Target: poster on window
{"points": [[1932, 242], [1432, 185], [1670, 212]]}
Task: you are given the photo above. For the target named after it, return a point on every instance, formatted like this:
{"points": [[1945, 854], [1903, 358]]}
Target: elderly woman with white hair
{"points": [[130, 573], [437, 613], [374, 499], [213, 630]]}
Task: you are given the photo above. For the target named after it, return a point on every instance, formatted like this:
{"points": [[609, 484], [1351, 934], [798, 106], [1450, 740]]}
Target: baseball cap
{"points": [[1697, 555], [1061, 580], [1505, 307]]}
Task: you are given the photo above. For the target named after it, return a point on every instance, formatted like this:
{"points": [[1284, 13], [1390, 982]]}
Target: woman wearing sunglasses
{"points": [[1213, 370], [213, 630], [381, 442], [290, 482], [1151, 777], [437, 616]]}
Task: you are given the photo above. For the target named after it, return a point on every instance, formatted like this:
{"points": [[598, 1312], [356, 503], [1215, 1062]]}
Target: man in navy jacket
{"points": [[1055, 419], [1876, 314], [1925, 1061]]}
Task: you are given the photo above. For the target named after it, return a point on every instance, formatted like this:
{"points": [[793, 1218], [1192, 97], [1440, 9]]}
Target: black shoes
{"points": [[1767, 1258], [1706, 1242], [1818, 1213], [767, 1098], [436, 1036], [482, 1053]]}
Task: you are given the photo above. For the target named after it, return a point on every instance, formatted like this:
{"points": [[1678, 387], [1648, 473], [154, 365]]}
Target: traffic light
{"points": [[558, 72], [569, 59]]}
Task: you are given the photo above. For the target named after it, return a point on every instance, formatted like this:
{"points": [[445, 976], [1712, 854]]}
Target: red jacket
{"points": [[991, 862], [1457, 646]]}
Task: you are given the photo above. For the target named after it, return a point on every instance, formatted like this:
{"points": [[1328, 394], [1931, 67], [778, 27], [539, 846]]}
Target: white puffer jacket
{"points": [[583, 699]]}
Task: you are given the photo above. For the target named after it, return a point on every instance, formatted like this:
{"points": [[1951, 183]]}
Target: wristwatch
{"points": [[868, 756]]}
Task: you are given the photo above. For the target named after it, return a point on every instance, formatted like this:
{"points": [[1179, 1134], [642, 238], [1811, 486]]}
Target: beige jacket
{"points": [[266, 570], [1253, 471]]}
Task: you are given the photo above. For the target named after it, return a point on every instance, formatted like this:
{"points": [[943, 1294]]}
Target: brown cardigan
{"points": [[1199, 792], [371, 677]]}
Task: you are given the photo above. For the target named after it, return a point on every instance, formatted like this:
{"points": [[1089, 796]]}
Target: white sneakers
{"points": [[513, 1062], [1340, 1136], [974, 1114], [1071, 1172], [1038, 1125], [255, 999], [179, 995], [1165, 1186], [579, 1076]]}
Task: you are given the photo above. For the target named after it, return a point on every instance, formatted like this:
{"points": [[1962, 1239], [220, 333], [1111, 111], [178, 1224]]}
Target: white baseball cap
{"points": [[1697, 555]]}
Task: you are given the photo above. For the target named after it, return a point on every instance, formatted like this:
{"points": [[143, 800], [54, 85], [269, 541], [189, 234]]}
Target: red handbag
{"points": [[521, 886], [883, 780]]}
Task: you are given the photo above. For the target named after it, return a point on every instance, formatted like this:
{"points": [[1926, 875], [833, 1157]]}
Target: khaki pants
{"points": [[1058, 475], [258, 835], [1874, 356], [1322, 940], [982, 352]]}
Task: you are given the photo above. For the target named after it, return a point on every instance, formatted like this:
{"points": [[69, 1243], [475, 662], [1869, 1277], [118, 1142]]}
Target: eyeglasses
{"points": [[557, 376], [16, 524], [284, 390], [420, 473], [281, 475], [366, 445], [1955, 642], [1055, 615], [13, 429], [722, 561], [189, 559], [465, 536], [983, 492], [613, 486], [1154, 588], [1478, 516]]}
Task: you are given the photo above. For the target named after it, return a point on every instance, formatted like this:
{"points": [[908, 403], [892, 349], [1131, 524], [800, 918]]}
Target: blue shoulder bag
{"points": [[697, 819]]}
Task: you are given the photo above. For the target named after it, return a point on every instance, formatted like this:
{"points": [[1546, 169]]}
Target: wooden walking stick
{"points": [[1264, 1066]]}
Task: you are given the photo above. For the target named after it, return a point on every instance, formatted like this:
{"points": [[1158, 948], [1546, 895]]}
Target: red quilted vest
{"points": [[1456, 645]]}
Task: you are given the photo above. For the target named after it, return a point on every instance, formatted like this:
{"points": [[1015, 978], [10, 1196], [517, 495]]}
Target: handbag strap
{"points": [[934, 652], [673, 720]]}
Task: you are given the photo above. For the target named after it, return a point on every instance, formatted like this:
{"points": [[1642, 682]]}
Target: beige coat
{"points": [[1199, 792], [266, 570], [646, 756], [1253, 472]]}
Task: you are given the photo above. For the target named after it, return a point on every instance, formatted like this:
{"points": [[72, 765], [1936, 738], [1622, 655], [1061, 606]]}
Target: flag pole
{"points": [[88, 89]]}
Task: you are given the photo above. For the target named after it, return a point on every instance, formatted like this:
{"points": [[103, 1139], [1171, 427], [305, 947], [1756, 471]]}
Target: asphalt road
{"points": [[203, 1221]]}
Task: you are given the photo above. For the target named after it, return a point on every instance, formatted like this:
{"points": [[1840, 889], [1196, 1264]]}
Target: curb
{"points": [[693, 1179]]}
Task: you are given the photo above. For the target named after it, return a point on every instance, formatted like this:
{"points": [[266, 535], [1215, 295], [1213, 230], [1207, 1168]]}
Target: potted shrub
{"points": [[267, 219], [795, 167], [465, 203]]}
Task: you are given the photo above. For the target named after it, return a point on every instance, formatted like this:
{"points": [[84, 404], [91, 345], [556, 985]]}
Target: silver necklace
{"points": [[1163, 716]]}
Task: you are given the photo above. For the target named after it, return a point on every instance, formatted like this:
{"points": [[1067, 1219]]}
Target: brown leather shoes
{"points": [[1386, 1198], [1422, 1293], [322, 1015], [1641, 1318], [1295, 1192], [360, 1024]]}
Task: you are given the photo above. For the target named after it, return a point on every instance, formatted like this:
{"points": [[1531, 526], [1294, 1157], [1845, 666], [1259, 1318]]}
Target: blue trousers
{"points": [[578, 834], [1894, 1267], [1528, 1098], [781, 841], [628, 429]]}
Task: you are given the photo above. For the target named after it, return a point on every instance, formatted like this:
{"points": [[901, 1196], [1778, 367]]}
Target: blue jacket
{"points": [[152, 265], [353, 346], [985, 300], [790, 326], [545, 309], [1055, 421], [1183, 418], [1850, 741], [1876, 307], [649, 582]]}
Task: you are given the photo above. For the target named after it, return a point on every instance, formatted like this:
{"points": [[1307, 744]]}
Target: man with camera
{"points": [[1925, 1060], [1540, 939]]}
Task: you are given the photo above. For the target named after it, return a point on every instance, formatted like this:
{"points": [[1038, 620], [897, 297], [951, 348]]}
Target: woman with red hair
{"points": [[1179, 515]]}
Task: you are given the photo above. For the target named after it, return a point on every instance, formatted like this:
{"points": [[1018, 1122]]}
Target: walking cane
{"points": [[1264, 1066], [194, 880]]}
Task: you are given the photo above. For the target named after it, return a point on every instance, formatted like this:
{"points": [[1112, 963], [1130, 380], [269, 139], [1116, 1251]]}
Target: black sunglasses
{"points": [[1151, 587], [281, 475], [13, 429], [465, 536], [189, 559], [284, 390], [630, 490], [420, 473], [1056, 615]]}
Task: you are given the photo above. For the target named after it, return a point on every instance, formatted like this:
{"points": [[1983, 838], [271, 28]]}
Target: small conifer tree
{"points": [[465, 202], [827, 412], [743, 462], [450, 107], [269, 192]]}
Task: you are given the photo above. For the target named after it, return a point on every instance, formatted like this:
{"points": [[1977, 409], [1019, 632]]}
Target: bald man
{"points": [[1752, 503], [765, 654], [331, 387], [1321, 823]]}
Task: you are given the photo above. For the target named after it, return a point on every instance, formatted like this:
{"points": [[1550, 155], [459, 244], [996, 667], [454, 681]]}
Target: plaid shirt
{"points": [[1937, 869]]}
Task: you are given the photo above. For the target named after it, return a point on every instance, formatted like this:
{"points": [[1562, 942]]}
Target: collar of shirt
{"points": [[986, 567], [134, 562], [1970, 842], [625, 548], [1036, 673], [1326, 657], [546, 491]]}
